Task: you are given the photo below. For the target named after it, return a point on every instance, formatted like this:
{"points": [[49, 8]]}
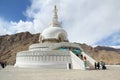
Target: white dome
{"points": [[54, 33]]}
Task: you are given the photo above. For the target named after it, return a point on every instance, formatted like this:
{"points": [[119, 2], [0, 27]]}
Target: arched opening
{"points": [[61, 38]]}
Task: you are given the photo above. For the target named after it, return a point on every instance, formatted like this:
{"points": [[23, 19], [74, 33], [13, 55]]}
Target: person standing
{"points": [[98, 65], [95, 64], [85, 61]]}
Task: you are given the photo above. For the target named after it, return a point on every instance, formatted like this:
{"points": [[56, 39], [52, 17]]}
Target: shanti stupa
{"points": [[54, 51]]}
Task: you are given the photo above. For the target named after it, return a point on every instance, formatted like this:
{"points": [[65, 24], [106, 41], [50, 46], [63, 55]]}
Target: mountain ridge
{"points": [[11, 44]]}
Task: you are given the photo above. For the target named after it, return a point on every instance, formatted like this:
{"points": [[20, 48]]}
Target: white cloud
{"points": [[92, 20], [3, 26], [86, 21], [22, 26]]}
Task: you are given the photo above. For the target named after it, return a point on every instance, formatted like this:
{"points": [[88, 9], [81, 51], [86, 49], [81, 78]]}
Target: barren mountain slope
{"points": [[11, 44]]}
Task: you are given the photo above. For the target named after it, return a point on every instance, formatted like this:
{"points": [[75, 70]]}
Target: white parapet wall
{"points": [[43, 59], [90, 59], [77, 63]]}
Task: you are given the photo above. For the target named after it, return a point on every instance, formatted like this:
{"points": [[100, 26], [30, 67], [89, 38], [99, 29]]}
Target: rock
{"points": [[11, 44]]}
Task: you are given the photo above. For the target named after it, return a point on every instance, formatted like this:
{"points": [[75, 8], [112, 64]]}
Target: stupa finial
{"points": [[55, 16], [55, 22]]}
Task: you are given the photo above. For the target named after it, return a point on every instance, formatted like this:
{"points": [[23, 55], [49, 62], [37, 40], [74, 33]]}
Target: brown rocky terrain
{"points": [[107, 54], [11, 44]]}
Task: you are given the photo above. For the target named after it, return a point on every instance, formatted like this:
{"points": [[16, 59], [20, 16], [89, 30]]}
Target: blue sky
{"points": [[113, 39], [86, 21], [13, 9]]}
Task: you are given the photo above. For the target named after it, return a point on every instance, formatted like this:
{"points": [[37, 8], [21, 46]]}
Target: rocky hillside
{"points": [[11, 44], [108, 54]]}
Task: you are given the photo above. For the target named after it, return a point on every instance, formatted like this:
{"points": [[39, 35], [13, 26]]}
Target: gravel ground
{"points": [[11, 73]]}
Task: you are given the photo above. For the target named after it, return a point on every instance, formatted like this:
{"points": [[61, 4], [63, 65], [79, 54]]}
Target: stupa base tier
{"points": [[43, 59], [45, 65]]}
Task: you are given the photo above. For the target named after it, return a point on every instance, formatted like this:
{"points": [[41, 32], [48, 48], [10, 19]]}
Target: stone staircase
{"points": [[78, 63]]}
